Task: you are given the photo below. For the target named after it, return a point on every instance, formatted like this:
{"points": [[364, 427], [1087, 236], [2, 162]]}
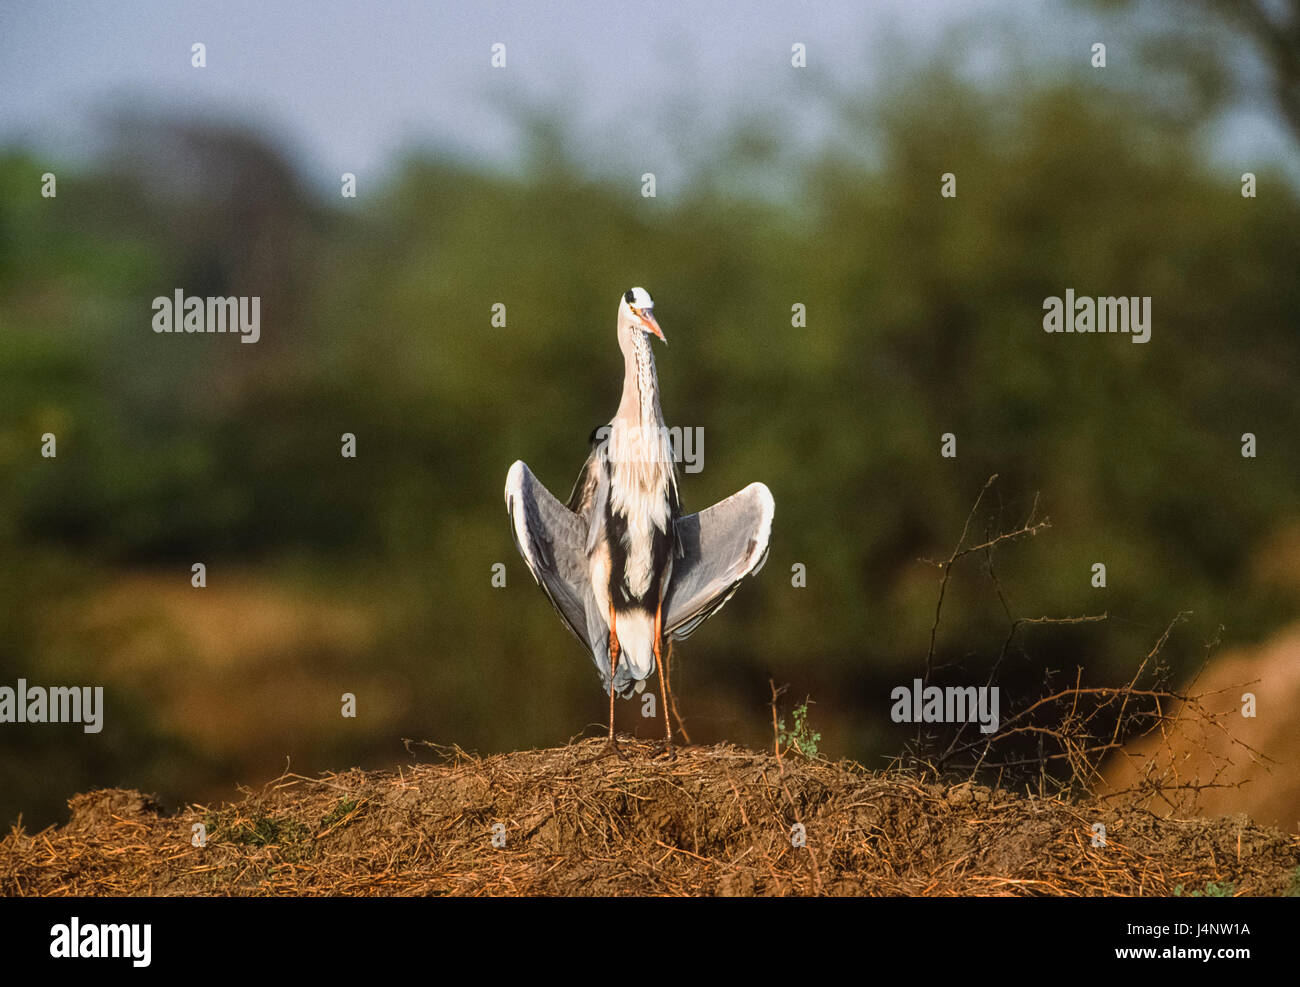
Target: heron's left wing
{"points": [[720, 546], [551, 538]]}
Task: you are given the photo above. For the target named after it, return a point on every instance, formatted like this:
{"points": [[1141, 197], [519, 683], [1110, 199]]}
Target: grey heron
{"points": [[625, 569]]}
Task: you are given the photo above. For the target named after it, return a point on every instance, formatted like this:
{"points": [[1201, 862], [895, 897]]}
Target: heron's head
{"points": [[636, 313]]}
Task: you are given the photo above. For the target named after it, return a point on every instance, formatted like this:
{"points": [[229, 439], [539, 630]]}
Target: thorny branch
{"points": [[1078, 726]]}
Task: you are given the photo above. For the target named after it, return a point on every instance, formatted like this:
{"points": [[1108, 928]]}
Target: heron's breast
{"points": [[639, 553]]}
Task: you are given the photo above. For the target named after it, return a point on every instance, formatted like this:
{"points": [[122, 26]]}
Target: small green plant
{"points": [[338, 812], [1213, 889], [801, 738], [1294, 890], [291, 837]]}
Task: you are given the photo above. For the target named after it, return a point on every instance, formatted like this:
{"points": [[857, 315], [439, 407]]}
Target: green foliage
{"points": [[339, 812], [1213, 889], [291, 836], [800, 737]]}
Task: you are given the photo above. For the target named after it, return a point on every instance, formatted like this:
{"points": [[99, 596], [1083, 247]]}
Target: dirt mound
{"points": [[578, 821], [1209, 753]]}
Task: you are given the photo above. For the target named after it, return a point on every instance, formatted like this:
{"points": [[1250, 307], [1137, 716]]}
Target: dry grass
{"points": [[579, 821]]}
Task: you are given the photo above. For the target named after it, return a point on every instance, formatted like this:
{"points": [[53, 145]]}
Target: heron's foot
{"points": [[617, 749], [665, 747]]}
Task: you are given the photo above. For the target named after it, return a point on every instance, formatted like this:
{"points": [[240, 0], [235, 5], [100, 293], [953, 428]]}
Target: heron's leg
{"points": [[663, 678], [672, 701], [611, 710], [613, 667]]}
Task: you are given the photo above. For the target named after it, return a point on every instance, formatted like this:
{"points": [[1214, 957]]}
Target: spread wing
{"points": [[551, 538], [720, 546]]}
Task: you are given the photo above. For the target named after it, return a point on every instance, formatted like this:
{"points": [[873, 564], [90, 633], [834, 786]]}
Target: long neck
{"points": [[640, 401]]}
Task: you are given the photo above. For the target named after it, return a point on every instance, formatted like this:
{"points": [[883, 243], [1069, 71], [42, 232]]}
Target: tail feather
{"points": [[636, 659]]}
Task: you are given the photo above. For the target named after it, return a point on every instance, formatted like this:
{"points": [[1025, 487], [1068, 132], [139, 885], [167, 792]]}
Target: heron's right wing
{"points": [[720, 546], [552, 540]]}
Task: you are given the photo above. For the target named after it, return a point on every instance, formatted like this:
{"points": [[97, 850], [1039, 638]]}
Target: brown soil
{"points": [[578, 821]]}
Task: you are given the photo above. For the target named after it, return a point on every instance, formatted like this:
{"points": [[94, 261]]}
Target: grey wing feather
{"points": [[719, 547], [591, 489], [551, 537], [582, 499]]}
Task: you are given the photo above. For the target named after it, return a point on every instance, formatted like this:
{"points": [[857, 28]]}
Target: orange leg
{"points": [[613, 666], [663, 680], [668, 685]]}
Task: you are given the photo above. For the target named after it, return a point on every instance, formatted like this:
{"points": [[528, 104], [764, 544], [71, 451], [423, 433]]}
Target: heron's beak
{"points": [[651, 325]]}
